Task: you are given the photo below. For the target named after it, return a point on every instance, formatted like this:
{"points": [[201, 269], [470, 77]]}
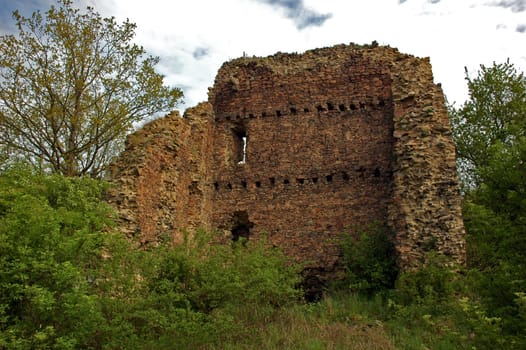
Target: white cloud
{"points": [[453, 33]]}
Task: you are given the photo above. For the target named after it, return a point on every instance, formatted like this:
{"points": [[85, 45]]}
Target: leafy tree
{"points": [[495, 112], [71, 86], [490, 133]]}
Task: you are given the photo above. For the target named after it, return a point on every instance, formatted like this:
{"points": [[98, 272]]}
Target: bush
{"points": [[67, 282], [47, 247], [369, 259], [439, 305]]}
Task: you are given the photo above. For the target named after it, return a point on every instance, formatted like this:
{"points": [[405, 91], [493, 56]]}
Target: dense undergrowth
{"points": [[70, 280]]}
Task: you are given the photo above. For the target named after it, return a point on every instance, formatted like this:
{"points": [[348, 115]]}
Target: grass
{"points": [[334, 323]]}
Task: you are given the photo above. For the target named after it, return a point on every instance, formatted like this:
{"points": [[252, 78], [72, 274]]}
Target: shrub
{"points": [[47, 246], [369, 259]]}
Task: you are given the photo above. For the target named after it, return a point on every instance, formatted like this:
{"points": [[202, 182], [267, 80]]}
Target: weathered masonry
{"points": [[300, 148]]}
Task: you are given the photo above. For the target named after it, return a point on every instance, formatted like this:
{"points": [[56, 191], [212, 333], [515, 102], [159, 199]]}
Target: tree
{"points": [[490, 134], [71, 86], [495, 112]]}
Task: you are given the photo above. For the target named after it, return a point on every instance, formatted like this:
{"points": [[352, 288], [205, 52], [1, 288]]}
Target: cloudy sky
{"points": [[194, 37]]}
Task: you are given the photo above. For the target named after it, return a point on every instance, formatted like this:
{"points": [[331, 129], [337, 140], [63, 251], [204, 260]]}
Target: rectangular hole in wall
{"points": [[258, 184], [240, 144], [300, 181], [272, 181]]}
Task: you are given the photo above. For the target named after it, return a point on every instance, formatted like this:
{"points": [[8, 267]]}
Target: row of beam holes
{"points": [[320, 108], [301, 181]]}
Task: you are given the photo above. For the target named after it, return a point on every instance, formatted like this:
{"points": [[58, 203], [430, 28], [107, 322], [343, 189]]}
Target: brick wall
{"points": [[300, 148]]}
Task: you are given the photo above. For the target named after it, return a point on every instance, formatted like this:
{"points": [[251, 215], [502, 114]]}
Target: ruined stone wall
{"points": [[318, 152], [301, 148], [159, 181], [426, 209]]}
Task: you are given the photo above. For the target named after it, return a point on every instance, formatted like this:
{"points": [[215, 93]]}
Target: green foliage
{"points": [[66, 282], [71, 86], [369, 259], [489, 131], [47, 247], [439, 307], [495, 113]]}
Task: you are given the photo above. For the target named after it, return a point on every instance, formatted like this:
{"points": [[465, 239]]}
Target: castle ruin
{"points": [[300, 148]]}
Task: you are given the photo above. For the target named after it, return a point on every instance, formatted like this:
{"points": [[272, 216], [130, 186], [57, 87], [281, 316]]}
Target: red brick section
{"points": [[300, 148]]}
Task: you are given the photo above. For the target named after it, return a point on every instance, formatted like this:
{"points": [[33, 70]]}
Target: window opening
{"points": [[241, 226], [258, 184], [272, 180], [240, 145], [329, 178], [286, 182], [244, 184], [293, 110], [314, 180], [330, 106], [300, 181], [193, 188]]}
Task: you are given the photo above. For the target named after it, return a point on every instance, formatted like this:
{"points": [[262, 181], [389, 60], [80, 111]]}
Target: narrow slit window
{"points": [[240, 144], [244, 150]]}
